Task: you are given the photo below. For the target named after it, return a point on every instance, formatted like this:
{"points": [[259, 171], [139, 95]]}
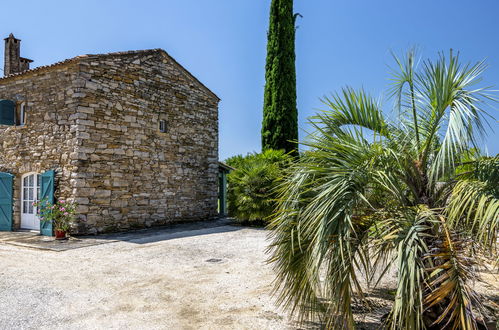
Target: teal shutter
{"points": [[47, 193], [6, 181], [7, 112]]}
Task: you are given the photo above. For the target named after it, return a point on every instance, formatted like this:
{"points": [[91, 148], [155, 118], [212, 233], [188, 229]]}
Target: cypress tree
{"points": [[280, 116]]}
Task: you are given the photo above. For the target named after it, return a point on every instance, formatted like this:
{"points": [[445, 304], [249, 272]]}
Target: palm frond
{"points": [[355, 108], [317, 230], [453, 111], [474, 203], [449, 298], [405, 100], [408, 232]]}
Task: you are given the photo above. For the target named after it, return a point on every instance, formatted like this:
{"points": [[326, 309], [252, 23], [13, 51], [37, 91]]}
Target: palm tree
{"points": [[371, 194]]}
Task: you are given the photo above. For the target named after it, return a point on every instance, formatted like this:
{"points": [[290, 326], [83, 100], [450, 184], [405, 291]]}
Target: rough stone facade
{"points": [[95, 120]]}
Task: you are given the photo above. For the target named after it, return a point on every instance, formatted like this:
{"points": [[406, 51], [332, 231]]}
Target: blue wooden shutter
{"points": [[47, 193], [6, 180], [7, 112]]}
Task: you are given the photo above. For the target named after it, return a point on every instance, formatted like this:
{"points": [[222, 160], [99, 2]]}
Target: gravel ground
{"points": [[209, 278], [212, 278]]}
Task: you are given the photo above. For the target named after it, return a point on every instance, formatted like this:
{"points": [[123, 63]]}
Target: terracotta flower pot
{"points": [[60, 234]]}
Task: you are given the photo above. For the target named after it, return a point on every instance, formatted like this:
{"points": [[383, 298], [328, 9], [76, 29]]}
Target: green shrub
{"points": [[251, 193]]}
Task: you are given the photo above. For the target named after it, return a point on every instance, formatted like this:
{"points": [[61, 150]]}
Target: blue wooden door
{"points": [[6, 181], [47, 194]]}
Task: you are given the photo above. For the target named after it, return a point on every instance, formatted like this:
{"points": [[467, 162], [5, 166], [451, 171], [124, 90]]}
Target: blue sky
{"points": [[222, 42]]}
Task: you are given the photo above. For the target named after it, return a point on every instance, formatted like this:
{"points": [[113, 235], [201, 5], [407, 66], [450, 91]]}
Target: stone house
{"points": [[131, 137]]}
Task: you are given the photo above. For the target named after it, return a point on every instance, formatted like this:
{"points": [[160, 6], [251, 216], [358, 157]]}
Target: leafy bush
{"points": [[251, 194], [61, 213]]}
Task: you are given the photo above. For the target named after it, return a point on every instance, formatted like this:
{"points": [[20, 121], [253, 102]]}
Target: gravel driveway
{"points": [[212, 278], [190, 276]]}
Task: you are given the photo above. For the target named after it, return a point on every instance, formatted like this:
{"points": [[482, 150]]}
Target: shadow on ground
{"points": [[142, 236]]}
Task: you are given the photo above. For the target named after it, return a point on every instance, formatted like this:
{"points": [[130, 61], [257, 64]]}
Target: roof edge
{"points": [[189, 73], [40, 69], [90, 56]]}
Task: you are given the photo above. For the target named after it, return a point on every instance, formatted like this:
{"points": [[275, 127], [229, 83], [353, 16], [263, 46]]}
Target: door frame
{"points": [[36, 189]]}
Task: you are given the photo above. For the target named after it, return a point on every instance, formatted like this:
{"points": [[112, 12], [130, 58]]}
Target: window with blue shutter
{"points": [[7, 112]]}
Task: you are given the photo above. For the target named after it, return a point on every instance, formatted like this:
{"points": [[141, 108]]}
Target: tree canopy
{"points": [[280, 115]]}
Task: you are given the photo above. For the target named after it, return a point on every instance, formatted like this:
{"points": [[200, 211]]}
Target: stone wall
{"points": [[47, 139], [130, 174], [95, 120]]}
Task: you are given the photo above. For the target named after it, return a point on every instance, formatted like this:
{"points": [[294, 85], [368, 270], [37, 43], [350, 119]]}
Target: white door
{"points": [[30, 192]]}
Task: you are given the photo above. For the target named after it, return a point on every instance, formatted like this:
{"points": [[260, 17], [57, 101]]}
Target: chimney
{"points": [[13, 62]]}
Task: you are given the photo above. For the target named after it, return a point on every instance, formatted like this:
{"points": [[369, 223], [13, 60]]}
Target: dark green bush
{"points": [[251, 186]]}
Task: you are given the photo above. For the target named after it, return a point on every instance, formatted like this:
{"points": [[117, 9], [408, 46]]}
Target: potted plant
{"points": [[61, 213]]}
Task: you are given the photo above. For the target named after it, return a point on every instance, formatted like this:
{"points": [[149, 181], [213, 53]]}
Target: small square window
{"points": [[162, 126]]}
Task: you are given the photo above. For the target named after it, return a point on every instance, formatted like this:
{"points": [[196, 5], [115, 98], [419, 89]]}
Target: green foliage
{"points": [[372, 194], [251, 186], [280, 116], [475, 200], [61, 213]]}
